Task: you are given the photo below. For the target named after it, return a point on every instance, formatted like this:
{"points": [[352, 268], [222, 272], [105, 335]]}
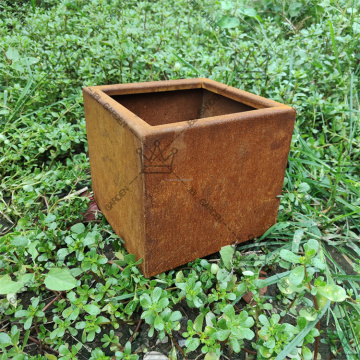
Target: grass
{"points": [[300, 53]]}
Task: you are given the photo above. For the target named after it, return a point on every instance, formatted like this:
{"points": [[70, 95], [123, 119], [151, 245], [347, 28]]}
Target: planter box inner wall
{"points": [[181, 168], [180, 105]]}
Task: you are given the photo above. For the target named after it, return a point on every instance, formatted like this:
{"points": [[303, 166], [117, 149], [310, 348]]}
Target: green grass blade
{"points": [[300, 337], [346, 277], [343, 339], [334, 45], [187, 64]]}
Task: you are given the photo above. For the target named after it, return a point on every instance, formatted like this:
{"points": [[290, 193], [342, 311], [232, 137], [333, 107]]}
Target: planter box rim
{"points": [[141, 127]]}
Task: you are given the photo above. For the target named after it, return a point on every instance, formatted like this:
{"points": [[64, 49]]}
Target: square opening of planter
{"points": [[181, 168]]}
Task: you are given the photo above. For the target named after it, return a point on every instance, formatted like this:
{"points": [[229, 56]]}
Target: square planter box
{"points": [[181, 168]]}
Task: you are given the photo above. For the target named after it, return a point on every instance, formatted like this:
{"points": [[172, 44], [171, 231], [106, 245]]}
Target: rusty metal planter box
{"points": [[181, 168]]}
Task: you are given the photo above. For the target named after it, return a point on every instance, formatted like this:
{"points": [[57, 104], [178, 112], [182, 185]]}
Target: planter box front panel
{"points": [[202, 170]]}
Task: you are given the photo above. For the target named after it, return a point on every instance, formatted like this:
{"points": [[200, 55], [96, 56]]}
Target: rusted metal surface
{"points": [[181, 168]]}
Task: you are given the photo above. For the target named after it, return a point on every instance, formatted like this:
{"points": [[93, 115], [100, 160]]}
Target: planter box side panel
{"points": [[222, 189], [115, 168]]}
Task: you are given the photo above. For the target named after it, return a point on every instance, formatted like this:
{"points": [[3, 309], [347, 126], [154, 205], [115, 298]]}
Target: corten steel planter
{"points": [[181, 168]]}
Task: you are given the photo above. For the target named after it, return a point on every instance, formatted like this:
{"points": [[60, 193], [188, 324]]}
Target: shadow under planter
{"points": [[181, 168]]}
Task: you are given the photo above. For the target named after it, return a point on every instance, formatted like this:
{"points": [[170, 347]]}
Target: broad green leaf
{"points": [[49, 218], [312, 244], [249, 12], [145, 301], [289, 256], [304, 187], [59, 279], [319, 264], [127, 349], [192, 344], [78, 228], [308, 313], [28, 322], [50, 357], [92, 309], [20, 241], [221, 335], [297, 275], [248, 273], [296, 240], [211, 356], [263, 319], [198, 323], [4, 338], [159, 323], [28, 188], [228, 22], [332, 292], [229, 312], [175, 316], [294, 10], [265, 352], [13, 54], [156, 294], [307, 354], [247, 333], [162, 303], [7, 286], [227, 253]]}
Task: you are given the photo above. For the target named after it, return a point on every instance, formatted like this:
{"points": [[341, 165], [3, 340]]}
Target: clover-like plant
{"points": [[157, 313]]}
